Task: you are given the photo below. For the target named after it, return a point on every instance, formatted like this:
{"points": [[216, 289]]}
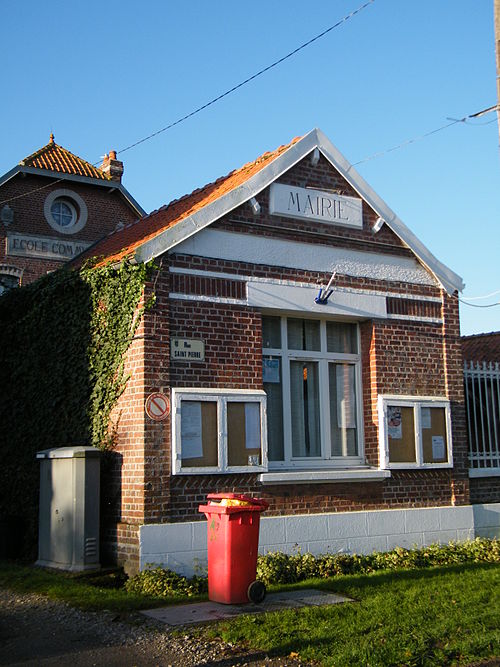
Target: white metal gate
{"points": [[482, 400]]}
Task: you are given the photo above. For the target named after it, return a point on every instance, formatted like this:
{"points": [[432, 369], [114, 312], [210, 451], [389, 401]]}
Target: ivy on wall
{"points": [[63, 341]]}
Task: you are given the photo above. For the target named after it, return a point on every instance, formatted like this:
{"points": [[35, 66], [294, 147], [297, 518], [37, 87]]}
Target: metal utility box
{"points": [[69, 508]]}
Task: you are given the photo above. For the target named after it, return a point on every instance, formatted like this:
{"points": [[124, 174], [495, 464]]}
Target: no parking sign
{"points": [[157, 406]]}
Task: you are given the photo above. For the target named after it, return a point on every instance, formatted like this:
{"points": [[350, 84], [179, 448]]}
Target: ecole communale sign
{"points": [[43, 247]]}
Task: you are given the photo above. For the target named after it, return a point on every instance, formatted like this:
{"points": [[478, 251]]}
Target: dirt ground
{"points": [[36, 632]]}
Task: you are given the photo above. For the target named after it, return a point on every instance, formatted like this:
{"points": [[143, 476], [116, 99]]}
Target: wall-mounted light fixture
{"points": [[315, 157], [378, 225], [255, 206]]}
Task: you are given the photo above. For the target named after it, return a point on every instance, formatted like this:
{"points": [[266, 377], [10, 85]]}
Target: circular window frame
{"points": [[75, 202]]}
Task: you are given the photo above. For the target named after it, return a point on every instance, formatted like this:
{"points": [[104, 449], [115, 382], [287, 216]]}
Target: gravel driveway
{"points": [[37, 631]]}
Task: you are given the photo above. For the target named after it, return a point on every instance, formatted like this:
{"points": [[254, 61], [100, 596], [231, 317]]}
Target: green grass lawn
{"points": [[91, 592], [433, 616], [437, 616]]}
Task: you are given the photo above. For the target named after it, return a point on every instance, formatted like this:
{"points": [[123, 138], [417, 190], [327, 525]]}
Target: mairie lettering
{"points": [[318, 205]]}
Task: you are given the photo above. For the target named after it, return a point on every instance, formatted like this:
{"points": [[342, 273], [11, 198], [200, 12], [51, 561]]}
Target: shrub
{"points": [[159, 582], [280, 568]]}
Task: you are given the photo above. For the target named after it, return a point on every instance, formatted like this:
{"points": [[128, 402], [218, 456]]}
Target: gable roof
{"points": [[163, 229], [56, 158], [131, 238], [54, 161]]}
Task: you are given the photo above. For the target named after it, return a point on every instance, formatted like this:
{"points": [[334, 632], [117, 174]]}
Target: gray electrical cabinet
{"points": [[69, 508]]}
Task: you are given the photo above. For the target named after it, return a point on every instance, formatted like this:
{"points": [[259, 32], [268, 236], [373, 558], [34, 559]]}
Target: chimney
{"points": [[113, 167]]}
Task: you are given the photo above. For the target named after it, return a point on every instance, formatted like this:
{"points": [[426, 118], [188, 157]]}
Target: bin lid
{"points": [[76, 452], [237, 496]]}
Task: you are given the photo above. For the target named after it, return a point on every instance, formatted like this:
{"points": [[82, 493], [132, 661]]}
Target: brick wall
{"points": [[398, 357], [122, 478], [105, 210], [485, 490]]}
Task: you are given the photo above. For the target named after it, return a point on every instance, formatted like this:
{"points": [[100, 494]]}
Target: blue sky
{"points": [[103, 75]]}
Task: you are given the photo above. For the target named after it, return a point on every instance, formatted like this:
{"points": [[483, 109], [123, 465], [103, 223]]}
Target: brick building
{"points": [[53, 205], [308, 344]]}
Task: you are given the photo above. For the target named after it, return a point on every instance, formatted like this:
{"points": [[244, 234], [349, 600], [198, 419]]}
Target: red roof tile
{"points": [[53, 157], [123, 243], [481, 347]]}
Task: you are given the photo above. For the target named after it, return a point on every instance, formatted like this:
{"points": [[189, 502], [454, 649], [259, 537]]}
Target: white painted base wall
{"points": [[182, 547]]}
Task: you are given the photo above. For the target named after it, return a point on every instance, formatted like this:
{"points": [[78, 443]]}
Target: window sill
{"points": [[321, 476], [484, 472]]}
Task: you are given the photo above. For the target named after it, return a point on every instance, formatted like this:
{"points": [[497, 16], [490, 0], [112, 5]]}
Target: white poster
{"points": [[438, 453], [425, 417], [191, 441], [346, 406], [271, 370], [252, 425], [394, 428]]}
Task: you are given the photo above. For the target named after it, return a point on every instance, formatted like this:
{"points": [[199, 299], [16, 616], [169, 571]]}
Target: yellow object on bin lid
{"points": [[235, 500]]}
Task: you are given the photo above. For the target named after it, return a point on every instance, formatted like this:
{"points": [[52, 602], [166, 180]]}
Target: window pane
{"points": [[271, 332], [401, 434], [305, 409], [199, 433], [303, 334], [273, 389], [434, 442], [343, 409], [243, 433], [341, 337]]}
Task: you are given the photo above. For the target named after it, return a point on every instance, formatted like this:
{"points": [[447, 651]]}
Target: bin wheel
{"points": [[256, 592]]}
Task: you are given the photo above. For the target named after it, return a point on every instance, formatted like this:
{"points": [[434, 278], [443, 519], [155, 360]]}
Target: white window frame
{"points": [[222, 397], [75, 202], [417, 403], [286, 355]]}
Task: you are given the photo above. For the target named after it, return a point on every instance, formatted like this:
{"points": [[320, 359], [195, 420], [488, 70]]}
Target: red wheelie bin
{"points": [[233, 538]]}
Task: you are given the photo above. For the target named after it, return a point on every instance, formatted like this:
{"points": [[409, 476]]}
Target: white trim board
{"points": [[182, 547], [301, 299], [297, 283], [259, 250], [204, 217]]}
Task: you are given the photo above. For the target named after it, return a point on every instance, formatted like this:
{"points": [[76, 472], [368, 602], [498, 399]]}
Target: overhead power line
{"points": [[250, 78], [476, 305], [484, 296], [454, 121]]}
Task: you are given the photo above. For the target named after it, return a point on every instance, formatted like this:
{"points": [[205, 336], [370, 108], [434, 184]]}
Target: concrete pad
{"points": [[201, 612]]}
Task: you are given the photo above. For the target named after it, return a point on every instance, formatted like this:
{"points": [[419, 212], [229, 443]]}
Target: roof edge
{"points": [[88, 180], [450, 280], [194, 223]]}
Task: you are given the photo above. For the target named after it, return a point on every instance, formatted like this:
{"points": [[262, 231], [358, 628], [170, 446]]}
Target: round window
{"points": [[65, 211]]}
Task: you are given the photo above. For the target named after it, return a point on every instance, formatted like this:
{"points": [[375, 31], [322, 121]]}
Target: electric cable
{"points": [[454, 121], [219, 97], [477, 305], [250, 78]]}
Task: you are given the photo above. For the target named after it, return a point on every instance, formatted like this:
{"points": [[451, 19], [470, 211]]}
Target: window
{"points": [[218, 431], [311, 375], [65, 211], [10, 277], [415, 432]]}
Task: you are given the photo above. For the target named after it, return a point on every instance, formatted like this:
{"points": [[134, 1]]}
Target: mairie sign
{"points": [[294, 202]]}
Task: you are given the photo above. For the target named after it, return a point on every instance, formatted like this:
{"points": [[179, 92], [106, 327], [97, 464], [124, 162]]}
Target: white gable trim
{"points": [[166, 240]]}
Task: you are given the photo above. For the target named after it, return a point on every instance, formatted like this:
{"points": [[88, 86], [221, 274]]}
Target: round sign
{"points": [[157, 406]]}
